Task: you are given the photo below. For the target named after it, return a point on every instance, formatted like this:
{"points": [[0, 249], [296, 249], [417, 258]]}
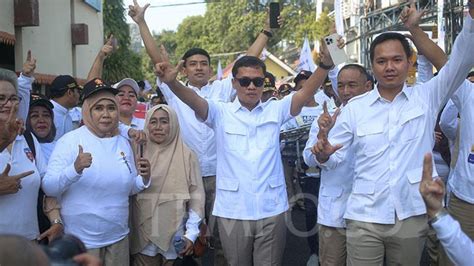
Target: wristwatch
{"points": [[57, 221], [268, 33], [441, 213], [323, 66]]}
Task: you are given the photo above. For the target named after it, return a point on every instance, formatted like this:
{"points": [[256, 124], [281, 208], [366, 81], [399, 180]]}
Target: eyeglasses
{"points": [[14, 99], [245, 81]]}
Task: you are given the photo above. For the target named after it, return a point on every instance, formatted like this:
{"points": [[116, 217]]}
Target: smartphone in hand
{"points": [[274, 14], [338, 55], [140, 149]]}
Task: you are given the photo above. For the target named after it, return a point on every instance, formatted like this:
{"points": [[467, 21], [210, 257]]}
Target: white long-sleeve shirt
{"points": [[94, 203], [18, 211], [62, 120], [462, 179], [336, 184], [458, 246], [197, 135], [391, 138], [24, 91]]}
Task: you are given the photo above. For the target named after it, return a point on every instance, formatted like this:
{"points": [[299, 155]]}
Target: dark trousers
{"points": [[310, 188]]}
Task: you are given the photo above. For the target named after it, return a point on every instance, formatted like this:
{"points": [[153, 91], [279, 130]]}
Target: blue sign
{"points": [[96, 4]]}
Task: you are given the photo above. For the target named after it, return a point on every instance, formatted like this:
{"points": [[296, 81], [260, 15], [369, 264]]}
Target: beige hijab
{"points": [[176, 186], [87, 106]]}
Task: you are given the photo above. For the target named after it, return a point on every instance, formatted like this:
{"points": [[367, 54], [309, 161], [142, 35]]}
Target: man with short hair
{"points": [[336, 183], [268, 88], [251, 199], [65, 94], [390, 129]]}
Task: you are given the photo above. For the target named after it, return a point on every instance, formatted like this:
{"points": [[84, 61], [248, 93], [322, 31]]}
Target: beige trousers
{"points": [[401, 243], [247, 243], [463, 212], [332, 246], [116, 254]]}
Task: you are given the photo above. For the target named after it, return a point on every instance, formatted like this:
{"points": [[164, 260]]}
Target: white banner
{"points": [[219, 70], [338, 17], [306, 58]]}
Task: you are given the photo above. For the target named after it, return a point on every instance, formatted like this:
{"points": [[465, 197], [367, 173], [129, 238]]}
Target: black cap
{"points": [[284, 88], [37, 99], [62, 83], [269, 82], [96, 85], [303, 74]]}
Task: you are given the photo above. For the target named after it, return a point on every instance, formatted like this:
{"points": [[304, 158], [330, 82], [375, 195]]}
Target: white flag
{"points": [[338, 17], [147, 85], [306, 58], [441, 32], [219, 70]]}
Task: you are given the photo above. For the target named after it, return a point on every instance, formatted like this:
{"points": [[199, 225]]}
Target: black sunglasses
{"points": [[245, 81]]}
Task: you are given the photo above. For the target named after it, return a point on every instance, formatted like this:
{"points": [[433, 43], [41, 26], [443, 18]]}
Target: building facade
{"points": [[64, 36]]}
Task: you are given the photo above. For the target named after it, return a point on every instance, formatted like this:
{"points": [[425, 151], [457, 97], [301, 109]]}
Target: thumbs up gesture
{"points": [[83, 160]]}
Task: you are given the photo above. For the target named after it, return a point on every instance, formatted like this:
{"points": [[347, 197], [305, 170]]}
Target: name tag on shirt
{"points": [[470, 158]]}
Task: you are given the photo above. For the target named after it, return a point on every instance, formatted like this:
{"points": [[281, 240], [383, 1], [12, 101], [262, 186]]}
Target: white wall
{"points": [[51, 44]]}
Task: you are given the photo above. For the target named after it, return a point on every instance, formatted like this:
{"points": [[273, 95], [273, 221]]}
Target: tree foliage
{"points": [[226, 28], [123, 63]]}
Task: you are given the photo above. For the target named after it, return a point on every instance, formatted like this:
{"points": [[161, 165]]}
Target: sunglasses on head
{"points": [[245, 81]]}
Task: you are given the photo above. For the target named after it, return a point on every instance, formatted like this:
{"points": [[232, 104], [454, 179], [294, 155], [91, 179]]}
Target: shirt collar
{"points": [[374, 95], [235, 105], [58, 107]]}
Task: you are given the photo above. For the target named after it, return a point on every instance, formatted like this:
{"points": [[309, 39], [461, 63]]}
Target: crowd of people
{"points": [[387, 169]]}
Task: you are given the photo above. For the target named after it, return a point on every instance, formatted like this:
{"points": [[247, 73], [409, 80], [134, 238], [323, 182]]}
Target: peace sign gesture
{"points": [[137, 12]]}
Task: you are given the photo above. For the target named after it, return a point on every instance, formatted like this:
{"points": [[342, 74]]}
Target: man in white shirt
{"points": [[199, 137], [390, 129], [336, 184], [458, 246], [250, 193], [64, 93]]}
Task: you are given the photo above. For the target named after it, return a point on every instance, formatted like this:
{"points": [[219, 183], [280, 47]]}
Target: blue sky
{"points": [[169, 17]]}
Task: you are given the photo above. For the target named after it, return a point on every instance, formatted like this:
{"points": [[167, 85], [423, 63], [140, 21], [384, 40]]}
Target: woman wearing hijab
{"points": [[40, 123], [92, 171], [175, 199]]}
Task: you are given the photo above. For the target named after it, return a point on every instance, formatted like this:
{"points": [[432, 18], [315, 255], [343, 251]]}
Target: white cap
{"points": [[127, 81]]}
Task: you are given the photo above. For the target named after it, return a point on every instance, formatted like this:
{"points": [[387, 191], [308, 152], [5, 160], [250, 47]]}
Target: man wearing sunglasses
{"points": [[199, 137], [251, 199]]}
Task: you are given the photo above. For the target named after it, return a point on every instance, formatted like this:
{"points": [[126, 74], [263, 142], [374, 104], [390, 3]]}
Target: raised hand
{"points": [[431, 190], [410, 16], [280, 21], [11, 184], [83, 160], [137, 12], [323, 149], [29, 65], [166, 72], [326, 121], [108, 47]]}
